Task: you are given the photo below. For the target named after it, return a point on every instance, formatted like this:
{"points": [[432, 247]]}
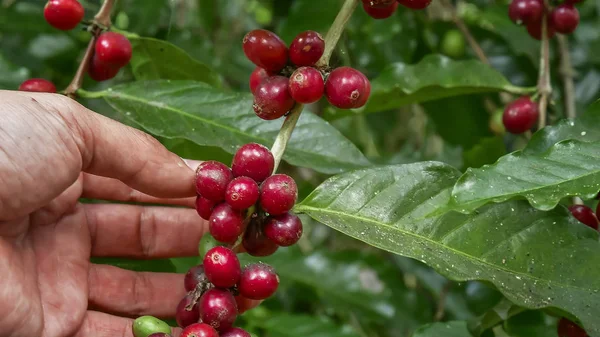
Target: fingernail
{"points": [[191, 163]]}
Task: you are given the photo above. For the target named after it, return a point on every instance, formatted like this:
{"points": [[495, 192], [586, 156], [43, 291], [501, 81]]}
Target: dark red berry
{"points": [[222, 267], [567, 328], [265, 49], [253, 160], [306, 85], [272, 98], [244, 304], [520, 115], [218, 308], [378, 3], [37, 85], [256, 243], [381, 12], [259, 281], [285, 230], [564, 18], [598, 211], [415, 4], [199, 330], [535, 30], [113, 49], [99, 71], [186, 317], [194, 276], [307, 48], [347, 88], [235, 332], [212, 179], [256, 78], [525, 12], [278, 194], [63, 14], [226, 224], [585, 215], [204, 207], [242, 193]]}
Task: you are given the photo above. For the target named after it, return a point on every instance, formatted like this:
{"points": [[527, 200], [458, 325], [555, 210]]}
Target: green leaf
{"points": [[155, 59], [530, 324], [285, 325], [536, 259], [446, 329], [487, 151], [212, 117], [320, 16]]}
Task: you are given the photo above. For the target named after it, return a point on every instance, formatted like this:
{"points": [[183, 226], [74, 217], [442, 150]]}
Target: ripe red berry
{"points": [[212, 179], [199, 330], [256, 78], [285, 230], [99, 71], [186, 317], [378, 3], [585, 215], [307, 48], [256, 243], [525, 12], [194, 276], [567, 328], [242, 193], [259, 281], [226, 224], [113, 49], [564, 18], [63, 14], [347, 88], [272, 98], [381, 12], [278, 194], [535, 29], [415, 4], [244, 304], [253, 160], [218, 308], [37, 85], [520, 115], [222, 267], [306, 85], [204, 207], [235, 332], [265, 49]]}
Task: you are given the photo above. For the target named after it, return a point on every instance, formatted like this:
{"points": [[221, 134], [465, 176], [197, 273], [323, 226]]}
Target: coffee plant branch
{"points": [[567, 74], [544, 86]]}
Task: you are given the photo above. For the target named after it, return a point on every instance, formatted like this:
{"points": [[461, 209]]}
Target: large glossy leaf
{"points": [[536, 259], [212, 117], [447, 329], [530, 324]]}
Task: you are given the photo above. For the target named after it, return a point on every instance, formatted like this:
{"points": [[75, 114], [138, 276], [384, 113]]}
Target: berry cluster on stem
{"points": [[383, 9]]}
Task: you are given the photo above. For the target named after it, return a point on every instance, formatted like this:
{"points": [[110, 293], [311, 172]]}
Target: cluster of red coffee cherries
{"points": [[383, 9], [285, 76], [562, 19]]}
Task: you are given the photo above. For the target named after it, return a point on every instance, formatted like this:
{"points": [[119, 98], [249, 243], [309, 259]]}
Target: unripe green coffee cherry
{"points": [[147, 325], [496, 124], [207, 242], [453, 43]]}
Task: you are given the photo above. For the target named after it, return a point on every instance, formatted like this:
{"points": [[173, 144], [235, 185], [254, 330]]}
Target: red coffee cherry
{"points": [[253, 160], [194, 276], [63, 14], [378, 3], [415, 4], [212, 179], [222, 267], [37, 85], [585, 215], [347, 88], [278, 194], [520, 115], [225, 223], [256, 243], [307, 48], [381, 12], [186, 317], [218, 309], [242, 193], [265, 49], [285, 230], [245, 304], [272, 98], [535, 30], [199, 330], [564, 18], [525, 12], [259, 281], [256, 78], [113, 49], [235, 332], [306, 85], [567, 328], [99, 71], [204, 207]]}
